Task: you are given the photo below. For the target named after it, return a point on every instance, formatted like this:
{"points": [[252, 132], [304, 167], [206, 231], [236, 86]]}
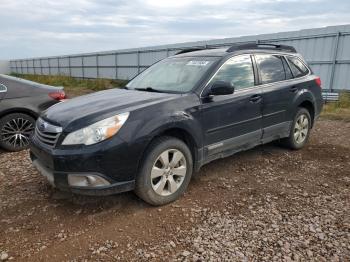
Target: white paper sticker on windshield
{"points": [[197, 63]]}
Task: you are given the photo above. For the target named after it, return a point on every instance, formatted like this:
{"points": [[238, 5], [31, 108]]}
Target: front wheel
{"points": [[300, 130], [166, 171]]}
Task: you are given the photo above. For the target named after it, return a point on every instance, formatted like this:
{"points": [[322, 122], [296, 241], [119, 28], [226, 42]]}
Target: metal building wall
{"points": [[327, 50], [4, 67]]}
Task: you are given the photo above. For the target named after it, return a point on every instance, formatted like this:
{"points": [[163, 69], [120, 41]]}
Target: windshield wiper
{"points": [[149, 89]]}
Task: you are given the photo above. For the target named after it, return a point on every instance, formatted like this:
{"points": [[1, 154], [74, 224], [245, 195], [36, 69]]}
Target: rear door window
{"points": [[3, 88], [297, 67], [271, 68]]}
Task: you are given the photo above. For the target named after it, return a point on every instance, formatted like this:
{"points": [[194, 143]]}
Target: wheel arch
{"points": [[182, 135], [307, 100], [19, 111], [307, 104], [179, 133]]}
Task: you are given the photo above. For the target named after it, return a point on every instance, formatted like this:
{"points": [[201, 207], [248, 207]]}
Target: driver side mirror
{"points": [[219, 88]]}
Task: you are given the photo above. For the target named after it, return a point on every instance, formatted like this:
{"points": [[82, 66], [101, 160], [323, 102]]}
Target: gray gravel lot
{"points": [[266, 204]]}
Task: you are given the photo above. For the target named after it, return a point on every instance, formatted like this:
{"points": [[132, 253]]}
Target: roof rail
{"points": [[187, 50], [237, 47]]}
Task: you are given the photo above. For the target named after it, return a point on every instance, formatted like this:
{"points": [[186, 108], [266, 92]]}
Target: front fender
{"points": [[140, 133], [177, 120]]}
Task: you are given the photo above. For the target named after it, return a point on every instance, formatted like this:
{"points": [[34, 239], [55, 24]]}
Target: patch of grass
{"points": [[339, 110], [74, 86]]}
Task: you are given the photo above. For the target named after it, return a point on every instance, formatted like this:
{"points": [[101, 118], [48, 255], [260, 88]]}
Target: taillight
{"points": [[58, 95], [318, 81]]}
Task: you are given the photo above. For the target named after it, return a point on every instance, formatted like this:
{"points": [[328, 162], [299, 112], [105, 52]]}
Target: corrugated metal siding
{"points": [[5, 67], [327, 50]]}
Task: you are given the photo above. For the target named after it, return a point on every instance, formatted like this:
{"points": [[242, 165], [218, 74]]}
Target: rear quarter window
{"points": [[3, 88], [271, 68], [298, 68]]}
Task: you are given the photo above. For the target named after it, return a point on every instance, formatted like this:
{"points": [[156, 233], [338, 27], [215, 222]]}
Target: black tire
{"points": [[11, 142], [145, 184], [291, 141]]}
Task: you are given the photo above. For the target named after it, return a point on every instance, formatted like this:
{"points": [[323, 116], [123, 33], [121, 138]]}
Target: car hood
{"points": [[84, 110]]}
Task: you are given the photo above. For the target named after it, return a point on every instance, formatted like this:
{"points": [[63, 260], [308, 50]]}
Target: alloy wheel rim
{"points": [[17, 132], [168, 172], [301, 129]]}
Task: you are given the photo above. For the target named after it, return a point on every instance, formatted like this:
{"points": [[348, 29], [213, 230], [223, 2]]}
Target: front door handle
{"points": [[255, 98], [293, 89]]}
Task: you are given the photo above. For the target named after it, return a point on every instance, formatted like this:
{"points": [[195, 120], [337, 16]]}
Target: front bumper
{"points": [[57, 165], [60, 180]]}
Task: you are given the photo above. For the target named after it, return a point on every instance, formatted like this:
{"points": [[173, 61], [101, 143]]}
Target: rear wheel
{"points": [[15, 131], [300, 130], [166, 171]]}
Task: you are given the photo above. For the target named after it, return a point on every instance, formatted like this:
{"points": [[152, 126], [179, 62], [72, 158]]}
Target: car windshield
{"points": [[177, 74]]}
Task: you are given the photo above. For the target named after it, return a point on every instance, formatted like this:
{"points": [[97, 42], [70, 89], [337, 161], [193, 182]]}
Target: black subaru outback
{"points": [[176, 116]]}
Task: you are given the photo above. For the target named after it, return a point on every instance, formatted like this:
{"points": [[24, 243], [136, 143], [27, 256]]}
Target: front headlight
{"points": [[97, 132]]}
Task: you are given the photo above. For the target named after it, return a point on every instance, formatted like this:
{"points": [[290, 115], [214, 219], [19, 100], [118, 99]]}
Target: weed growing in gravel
{"points": [[339, 110]]}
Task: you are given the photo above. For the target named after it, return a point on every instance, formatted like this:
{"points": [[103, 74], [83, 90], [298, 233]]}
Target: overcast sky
{"points": [[53, 27]]}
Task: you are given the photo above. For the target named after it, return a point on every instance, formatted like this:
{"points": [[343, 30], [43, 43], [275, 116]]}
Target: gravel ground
{"points": [[266, 204]]}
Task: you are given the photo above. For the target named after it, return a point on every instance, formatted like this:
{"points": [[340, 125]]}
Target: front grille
{"points": [[46, 133]]}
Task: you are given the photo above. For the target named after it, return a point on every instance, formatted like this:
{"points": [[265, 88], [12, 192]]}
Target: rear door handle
{"points": [[293, 89], [255, 98]]}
